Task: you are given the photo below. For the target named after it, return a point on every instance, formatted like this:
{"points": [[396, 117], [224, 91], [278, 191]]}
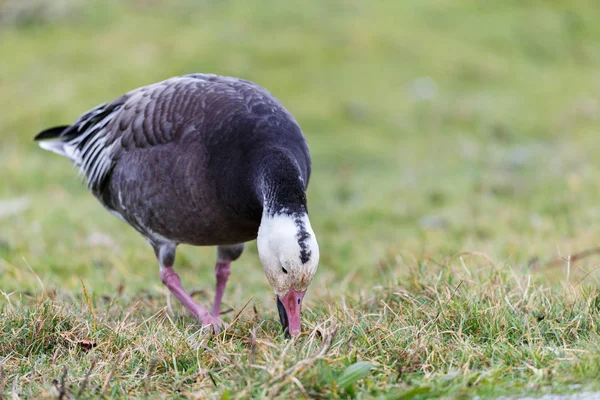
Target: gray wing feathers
{"points": [[96, 140], [156, 114], [84, 142]]}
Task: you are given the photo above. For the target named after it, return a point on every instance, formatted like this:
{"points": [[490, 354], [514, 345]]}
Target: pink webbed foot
{"points": [[173, 283], [209, 320]]}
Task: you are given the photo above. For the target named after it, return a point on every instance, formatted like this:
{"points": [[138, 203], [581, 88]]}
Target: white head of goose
{"points": [[203, 160]]}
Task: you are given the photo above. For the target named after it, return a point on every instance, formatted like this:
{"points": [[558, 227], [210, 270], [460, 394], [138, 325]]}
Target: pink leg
{"points": [[222, 271], [172, 281]]}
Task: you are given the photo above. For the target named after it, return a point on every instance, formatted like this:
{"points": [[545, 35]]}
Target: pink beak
{"points": [[289, 307]]}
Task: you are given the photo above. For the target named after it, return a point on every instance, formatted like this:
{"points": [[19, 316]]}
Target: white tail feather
{"points": [[61, 148]]}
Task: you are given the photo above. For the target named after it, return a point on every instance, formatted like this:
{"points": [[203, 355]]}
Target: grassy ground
{"points": [[455, 151]]}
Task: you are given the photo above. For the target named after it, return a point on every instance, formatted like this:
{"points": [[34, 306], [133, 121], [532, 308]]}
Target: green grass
{"points": [[430, 211]]}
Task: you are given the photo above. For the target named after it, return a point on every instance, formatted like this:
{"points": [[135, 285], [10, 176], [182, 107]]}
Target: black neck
{"points": [[280, 184]]}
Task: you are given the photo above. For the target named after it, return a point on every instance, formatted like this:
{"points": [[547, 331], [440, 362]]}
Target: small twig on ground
{"points": [[86, 379], [196, 292], [62, 390], [1, 381], [572, 258], [212, 378]]}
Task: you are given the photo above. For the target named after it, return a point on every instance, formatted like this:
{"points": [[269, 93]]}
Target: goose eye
{"points": [[284, 270]]}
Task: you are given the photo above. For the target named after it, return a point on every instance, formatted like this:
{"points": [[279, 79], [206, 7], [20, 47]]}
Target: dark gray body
{"points": [[190, 159]]}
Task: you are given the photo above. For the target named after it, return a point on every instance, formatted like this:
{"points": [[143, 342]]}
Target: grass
{"points": [[455, 151]]}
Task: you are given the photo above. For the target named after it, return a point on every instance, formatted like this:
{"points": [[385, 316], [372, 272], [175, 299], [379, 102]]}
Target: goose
{"points": [[203, 160]]}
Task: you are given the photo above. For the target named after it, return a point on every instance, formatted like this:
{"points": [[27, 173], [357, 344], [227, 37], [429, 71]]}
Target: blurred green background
{"points": [[435, 127]]}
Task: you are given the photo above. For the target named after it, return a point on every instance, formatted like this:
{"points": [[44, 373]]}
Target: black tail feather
{"points": [[52, 133]]}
